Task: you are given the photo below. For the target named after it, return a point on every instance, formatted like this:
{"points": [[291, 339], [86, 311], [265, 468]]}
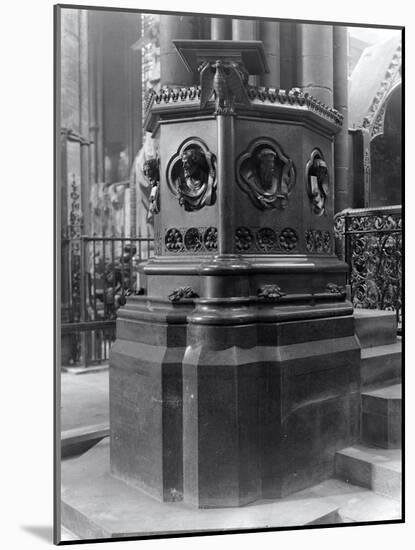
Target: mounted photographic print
{"points": [[228, 199]]}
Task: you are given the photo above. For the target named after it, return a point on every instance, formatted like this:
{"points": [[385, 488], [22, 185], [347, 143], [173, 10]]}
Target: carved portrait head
{"points": [[195, 166], [191, 176], [151, 171], [152, 175], [317, 182], [267, 175]]}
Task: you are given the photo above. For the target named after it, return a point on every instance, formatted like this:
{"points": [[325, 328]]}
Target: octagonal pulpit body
{"points": [[236, 376], [280, 205]]}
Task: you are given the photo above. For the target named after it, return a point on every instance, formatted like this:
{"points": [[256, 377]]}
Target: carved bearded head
{"points": [[194, 164], [266, 167]]}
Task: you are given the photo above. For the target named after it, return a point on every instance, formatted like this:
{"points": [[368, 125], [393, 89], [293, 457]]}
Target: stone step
{"points": [[370, 467], [381, 364], [76, 441], [357, 504], [374, 327], [382, 417], [97, 505]]}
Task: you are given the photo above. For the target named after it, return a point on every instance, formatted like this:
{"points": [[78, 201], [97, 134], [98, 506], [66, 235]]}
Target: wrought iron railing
{"points": [[370, 241], [98, 273]]}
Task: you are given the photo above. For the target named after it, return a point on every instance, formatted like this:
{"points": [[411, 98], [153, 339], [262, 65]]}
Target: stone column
{"points": [[172, 70], [84, 118], [269, 34], [246, 29], [221, 28], [342, 197], [315, 61], [288, 55]]}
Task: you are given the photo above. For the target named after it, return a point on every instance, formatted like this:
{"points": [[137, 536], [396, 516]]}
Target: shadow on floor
{"points": [[43, 532]]}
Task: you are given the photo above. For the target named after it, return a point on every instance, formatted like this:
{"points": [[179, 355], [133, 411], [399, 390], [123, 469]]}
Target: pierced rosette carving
{"points": [[210, 239], [288, 239], [193, 239], [173, 240], [243, 239], [266, 174], [266, 239], [191, 175]]}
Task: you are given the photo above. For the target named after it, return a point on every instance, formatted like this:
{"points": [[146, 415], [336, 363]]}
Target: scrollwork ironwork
{"points": [[373, 250]]}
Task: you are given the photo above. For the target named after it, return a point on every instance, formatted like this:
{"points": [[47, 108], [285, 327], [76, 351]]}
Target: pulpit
{"points": [[235, 377]]}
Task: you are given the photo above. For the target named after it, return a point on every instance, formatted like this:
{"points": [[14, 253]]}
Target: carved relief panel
{"points": [[266, 174], [317, 182], [191, 175]]}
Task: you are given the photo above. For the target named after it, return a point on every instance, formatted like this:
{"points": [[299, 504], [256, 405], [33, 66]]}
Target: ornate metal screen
{"points": [[370, 241]]}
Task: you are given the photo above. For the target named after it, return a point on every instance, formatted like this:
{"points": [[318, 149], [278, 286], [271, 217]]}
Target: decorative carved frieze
{"points": [[191, 240], [191, 175], [293, 98], [265, 240], [317, 182], [266, 174]]}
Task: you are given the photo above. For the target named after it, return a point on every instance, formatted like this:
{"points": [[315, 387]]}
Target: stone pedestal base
{"points": [[233, 400]]}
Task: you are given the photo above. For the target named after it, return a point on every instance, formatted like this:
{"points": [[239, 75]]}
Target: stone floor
{"points": [[84, 399], [85, 417]]}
